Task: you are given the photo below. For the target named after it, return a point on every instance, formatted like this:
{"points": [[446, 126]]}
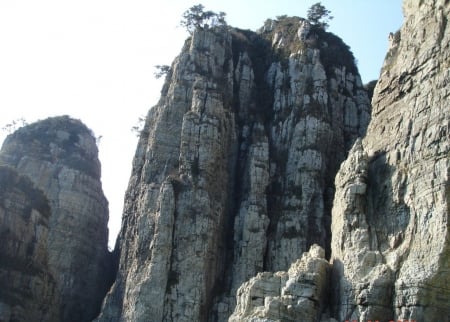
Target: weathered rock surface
{"points": [[233, 173], [59, 155], [233, 179], [27, 289], [390, 245], [295, 295]]}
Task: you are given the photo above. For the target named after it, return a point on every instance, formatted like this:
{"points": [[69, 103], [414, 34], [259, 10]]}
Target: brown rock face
{"points": [[234, 169], [390, 247], [27, 289], [59, 155]]}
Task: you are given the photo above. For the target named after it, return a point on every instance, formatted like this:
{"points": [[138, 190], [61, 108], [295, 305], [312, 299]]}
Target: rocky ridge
{"points": [[60, 157], [233, 171]]}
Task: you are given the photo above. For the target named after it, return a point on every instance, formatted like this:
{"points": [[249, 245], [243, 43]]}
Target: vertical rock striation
{"points": [[27, 288], [233, 173], [234, 178], [172, 237], [59, 155], [390, 245]]}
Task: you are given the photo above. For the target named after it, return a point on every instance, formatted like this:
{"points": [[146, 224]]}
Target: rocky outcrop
{"points": [[27, 289], [59, 155], [234, 178], [390, 245], [295, 295], [233, 173]]}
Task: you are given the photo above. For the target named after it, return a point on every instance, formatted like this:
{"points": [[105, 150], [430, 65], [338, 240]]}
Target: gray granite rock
{"points": [[391, 250], [233, 171], [295, 295], [60, 157], [27, 288]]}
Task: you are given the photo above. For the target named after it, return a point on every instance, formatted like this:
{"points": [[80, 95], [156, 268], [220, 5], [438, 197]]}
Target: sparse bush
{"points": [[319, 16], [14, 125], [161, 70], [196, 18], [139, 126]]}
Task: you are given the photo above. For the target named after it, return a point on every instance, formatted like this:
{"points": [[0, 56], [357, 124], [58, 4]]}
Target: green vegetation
{"points": [[139, 126], [196, 18], [335, 53], [161, 70], [319, 16], [14, 125]]}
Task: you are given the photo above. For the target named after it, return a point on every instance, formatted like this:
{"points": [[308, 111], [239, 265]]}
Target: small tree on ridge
{"points": [[319, 16], [196, 18]]}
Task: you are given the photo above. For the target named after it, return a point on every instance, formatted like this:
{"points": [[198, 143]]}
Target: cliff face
{"points": [[256, 193], [59, 156], [233, 173], [390, 228], [27, 289]]}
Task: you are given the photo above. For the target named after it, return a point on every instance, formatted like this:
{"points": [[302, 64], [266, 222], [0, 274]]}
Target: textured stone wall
{"points": [[60, 157], [27, 288], [256, 153], [391, 249], [233, 171], [294, 295]]}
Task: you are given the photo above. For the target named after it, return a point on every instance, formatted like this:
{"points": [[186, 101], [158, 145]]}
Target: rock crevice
{"points": [[248, 132]]}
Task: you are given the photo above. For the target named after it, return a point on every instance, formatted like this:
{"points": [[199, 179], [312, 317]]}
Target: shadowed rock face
{"points": [[233, 173], [59, 155], [390, 245], [27, 288], [228, 212]]}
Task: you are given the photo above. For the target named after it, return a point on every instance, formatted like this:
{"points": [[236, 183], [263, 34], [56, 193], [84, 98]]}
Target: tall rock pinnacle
{"points": [[59, 155], [233, 173], [27, 288], [264, 188]]}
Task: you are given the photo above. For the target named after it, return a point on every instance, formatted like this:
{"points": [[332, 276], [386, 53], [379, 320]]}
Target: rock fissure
{"points": [[254, 153], [260, 191]]}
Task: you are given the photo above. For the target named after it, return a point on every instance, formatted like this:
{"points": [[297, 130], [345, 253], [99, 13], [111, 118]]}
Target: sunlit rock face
{"points": [[264, 188], [59, 155], [390, 245], [233, 174]]}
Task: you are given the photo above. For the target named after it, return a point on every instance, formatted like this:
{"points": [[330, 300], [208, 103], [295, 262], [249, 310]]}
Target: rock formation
{"points": [[59, 155], [256, 193], [390, 247], [233, 174], [295, 295], [27, 289], [390, 227]]}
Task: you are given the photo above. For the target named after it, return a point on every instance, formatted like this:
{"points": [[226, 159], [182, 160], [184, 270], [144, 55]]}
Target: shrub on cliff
{"points": [[319, 16], [196, 18]]}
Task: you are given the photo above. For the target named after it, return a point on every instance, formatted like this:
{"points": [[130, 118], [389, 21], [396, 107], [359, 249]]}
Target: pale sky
{"points": [[94, 60]]}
